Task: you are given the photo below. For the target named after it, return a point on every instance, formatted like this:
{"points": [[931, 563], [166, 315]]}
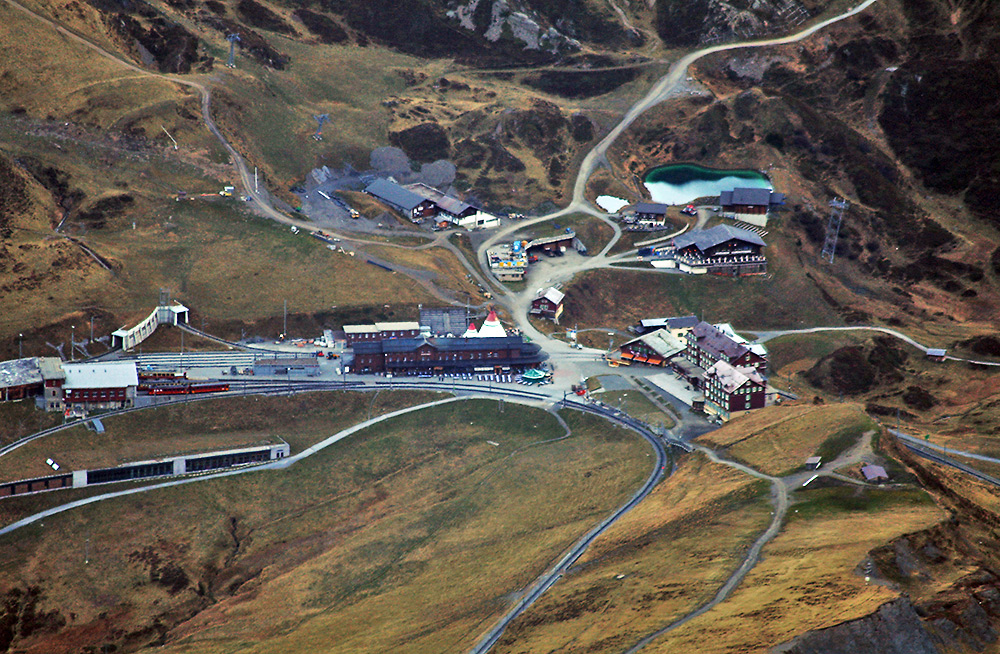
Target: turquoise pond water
{"points": [[682, 183]]}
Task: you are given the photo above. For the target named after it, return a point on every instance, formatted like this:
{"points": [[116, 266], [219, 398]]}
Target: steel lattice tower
{"points": [[837, 209], [232, 38]]}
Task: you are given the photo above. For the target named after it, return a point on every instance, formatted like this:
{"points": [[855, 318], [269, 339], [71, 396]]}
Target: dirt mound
{"points": [[855, 370], [323, 27], [580, 84], [259, 16], [97, 215], [987, 345], [424, 143], [156, 41]]}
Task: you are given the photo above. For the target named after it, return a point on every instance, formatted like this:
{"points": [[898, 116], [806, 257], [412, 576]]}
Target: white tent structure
{"points": [[471, 331], [491, 327]]}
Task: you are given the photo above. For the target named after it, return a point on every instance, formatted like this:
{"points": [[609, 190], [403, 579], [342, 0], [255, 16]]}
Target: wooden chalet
{"points": [[731, 390], [656, 348], [708, 344], [414, 356], [548, 303], [722, 250], [649, 213], [749, 201]]}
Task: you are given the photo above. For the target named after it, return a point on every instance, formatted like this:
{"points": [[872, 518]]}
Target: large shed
{"points": [[409, 203]]}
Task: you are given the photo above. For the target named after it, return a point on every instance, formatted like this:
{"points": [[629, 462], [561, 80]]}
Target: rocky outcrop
{"points": [[895, 628], [687, 23]]}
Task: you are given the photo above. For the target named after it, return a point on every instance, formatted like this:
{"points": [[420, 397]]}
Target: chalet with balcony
{"points": [[721, 250], [657, 348], [708, 344], [733, 390]]}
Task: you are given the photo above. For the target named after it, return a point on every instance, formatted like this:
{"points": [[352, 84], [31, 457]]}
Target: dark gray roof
{"points": [[714, 340], [444, 344], [650, 207], [707, 238], [752, 196], [394, 194], [445, 320]]}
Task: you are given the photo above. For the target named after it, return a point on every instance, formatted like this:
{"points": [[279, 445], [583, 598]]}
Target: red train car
{"points": [[188, 389]]}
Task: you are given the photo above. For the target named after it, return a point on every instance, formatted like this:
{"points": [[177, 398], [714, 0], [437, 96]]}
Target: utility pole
{"points": [[92, 329], [255, 179], [72, 343], [20, 346], [284, 329]]}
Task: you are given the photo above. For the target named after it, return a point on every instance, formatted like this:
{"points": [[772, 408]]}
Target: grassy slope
{"points": [[783, 298], [201, 427], [274, 121], [777, 440], [807, 577], [674, 550], [364, 545], [210, 253]]}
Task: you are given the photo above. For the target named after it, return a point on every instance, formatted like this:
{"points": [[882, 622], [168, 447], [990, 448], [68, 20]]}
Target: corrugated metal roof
{"points": [[445, 202], [707, 238], [679, 322], [445, 344], [116, 374], [711, 338], [760, 197], [360, 329], [650, 207], [874, 472], [936, 352], [552, 294], [662, 341], [395, 194], [396, 326]]}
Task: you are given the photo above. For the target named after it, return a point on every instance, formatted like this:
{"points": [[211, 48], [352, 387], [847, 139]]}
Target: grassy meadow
{"points": [[778, 440], [663, 559], [408, 536]]}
